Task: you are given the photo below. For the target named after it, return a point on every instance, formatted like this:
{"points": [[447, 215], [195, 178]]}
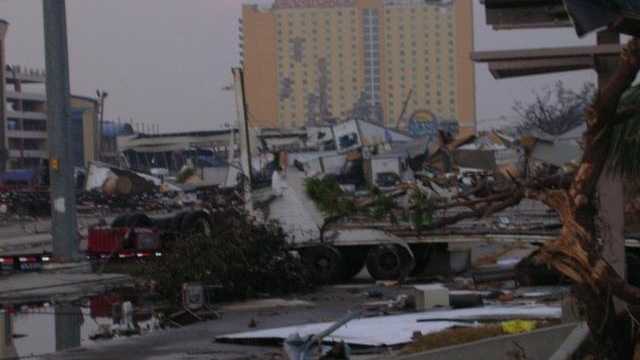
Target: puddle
{"points": [[47, 329]]}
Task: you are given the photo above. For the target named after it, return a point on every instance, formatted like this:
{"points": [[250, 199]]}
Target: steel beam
{"points": [[513, 63], [519, 14]]}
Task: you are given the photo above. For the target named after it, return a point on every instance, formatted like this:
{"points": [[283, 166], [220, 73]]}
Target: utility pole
{"points": [[102, 96], [243, 126], [63, 202]]}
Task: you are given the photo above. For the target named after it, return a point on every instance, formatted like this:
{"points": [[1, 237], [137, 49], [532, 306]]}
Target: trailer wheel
{"points": [[325, 263], [354, 259], [121, 221], [390, 262], [197, 223]]}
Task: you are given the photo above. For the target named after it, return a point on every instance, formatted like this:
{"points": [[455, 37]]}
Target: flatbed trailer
{"points": [[395, 251]]}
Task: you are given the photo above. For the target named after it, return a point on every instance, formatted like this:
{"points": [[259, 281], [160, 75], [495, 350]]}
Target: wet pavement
{"points": [[44, 286], [39, 329], [47, 330], [198, 341]]}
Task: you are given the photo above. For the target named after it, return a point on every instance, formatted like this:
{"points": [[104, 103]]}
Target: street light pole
{"points": [[102, 96], [63, 202]]}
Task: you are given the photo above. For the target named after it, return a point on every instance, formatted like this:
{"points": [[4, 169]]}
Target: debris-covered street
{"points": [[211, 339]]}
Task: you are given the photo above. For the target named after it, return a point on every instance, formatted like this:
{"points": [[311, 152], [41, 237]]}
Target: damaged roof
{"points": [[590, 15], [584, 15], [476, 159]]}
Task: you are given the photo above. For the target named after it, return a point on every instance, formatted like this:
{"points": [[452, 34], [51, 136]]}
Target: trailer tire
{"points": [[324, 262], [390, 262], [197, 223], [121, 221]]}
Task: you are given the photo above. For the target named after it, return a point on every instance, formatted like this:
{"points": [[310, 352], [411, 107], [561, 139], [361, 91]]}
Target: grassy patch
{"points": [[453, 336], [463, 335]]}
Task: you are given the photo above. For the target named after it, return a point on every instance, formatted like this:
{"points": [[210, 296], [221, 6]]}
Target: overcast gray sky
{"points": [[165, 61]]}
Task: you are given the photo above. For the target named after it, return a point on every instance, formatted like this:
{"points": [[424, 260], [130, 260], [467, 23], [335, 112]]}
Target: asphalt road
{"points": [[197, 341]]}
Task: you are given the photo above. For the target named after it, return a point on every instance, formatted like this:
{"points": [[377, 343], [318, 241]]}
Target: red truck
{"points": [[138, 235]]}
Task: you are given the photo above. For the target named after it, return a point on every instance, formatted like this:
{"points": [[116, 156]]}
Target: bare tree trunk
{"points": [[577, 253]]}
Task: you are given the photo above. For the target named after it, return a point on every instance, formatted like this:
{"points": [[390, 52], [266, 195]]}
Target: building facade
{"points": [[311, 61], [25, 124], [85, 130], [4, 26], [26, 118], [23, 118]]}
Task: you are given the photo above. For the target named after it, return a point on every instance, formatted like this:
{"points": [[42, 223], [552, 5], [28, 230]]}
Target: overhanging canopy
{"points": [[514, 63]]}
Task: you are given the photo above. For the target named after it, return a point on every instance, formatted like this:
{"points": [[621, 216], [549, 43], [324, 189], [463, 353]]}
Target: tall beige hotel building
{"points": [[307, 62]]}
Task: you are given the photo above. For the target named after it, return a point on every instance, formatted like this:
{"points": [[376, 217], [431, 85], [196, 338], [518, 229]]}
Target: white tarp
{"points": [[96, 176], [399, 329]]}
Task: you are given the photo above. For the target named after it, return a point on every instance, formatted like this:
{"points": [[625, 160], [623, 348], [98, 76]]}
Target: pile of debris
{"points": [[110, 190], [421, 185], [23, 203], [418, 318]]}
